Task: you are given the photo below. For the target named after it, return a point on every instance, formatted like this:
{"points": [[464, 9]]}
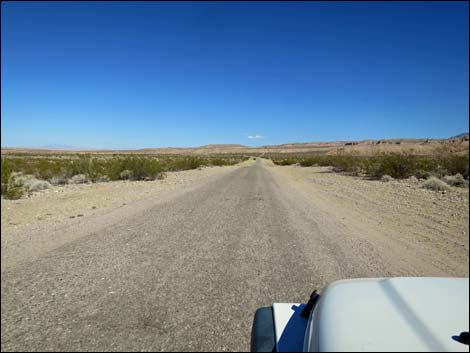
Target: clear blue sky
{"points": [[131, 75]]}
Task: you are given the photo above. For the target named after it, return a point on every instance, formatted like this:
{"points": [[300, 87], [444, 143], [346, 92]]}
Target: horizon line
{"points": [[72, 148]]}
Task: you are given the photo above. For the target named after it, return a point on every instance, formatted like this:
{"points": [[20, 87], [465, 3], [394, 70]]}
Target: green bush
{"points": [[7, 169], [57, 169], [287, 162], [397, 166], [126, 175], [456, 165], [14, 193]]}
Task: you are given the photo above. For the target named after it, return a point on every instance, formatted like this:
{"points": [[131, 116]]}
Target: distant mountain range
{"points": [[459, 136], [423, 146], [235, 146]]}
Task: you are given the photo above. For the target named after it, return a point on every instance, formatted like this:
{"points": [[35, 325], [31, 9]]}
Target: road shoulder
{"points": [[54, 217], [425, 229]]}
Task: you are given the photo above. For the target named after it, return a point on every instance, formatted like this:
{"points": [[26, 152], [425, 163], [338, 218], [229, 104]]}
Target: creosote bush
{"points": [[126, 175], [398, 166], [58, 169]]}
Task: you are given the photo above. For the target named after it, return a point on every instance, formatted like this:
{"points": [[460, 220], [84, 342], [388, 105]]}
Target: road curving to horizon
{"points": [[187, 273]]}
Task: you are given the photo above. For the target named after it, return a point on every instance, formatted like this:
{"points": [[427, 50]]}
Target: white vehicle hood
{"points": [[397, 314]]}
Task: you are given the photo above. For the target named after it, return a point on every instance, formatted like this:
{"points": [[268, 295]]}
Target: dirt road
{"points": [[187, 270]]}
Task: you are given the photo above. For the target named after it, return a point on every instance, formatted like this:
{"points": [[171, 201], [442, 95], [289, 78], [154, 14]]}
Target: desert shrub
{"points": [[186, 163], [7, 169], [45, 169], [36, 185], [348, 164], [398, 166], [455, 164], [126, 174], [18, 179], [438, 172], [58, 180], [435, 184], [342, 163], [55, 168], [421, 174], [19, 184], [395, 165], [142, 168], [455, 180], [386, 178], [78, 179], [287, 162], [308, 162], [14, 193], [217, 162], [29, 182]]}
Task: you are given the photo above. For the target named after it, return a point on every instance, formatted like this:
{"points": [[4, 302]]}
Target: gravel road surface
{"points": [[187, 271]]}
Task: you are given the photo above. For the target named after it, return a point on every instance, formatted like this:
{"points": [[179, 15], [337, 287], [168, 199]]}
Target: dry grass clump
{"points": [[78, 179], [386, 178], [435, 184], [36, 185], [59, 180], [455, 180], [29, 182]]}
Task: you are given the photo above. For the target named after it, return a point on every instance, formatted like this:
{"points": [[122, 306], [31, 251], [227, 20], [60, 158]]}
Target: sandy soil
{"points": [[410, 223]]}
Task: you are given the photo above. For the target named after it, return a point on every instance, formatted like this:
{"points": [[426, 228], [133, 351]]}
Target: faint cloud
{"points": [[255, 137]]}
